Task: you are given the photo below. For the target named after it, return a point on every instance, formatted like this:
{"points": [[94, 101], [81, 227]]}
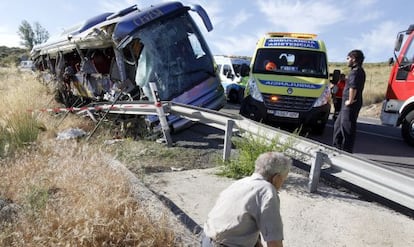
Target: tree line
{"points": [[30, 35]]}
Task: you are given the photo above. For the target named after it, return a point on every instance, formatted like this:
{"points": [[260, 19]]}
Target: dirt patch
{"points": [[143, 157]]}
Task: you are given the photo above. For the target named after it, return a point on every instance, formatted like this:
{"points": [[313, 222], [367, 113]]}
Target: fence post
{"points": [[227, 139], [315, 172]]}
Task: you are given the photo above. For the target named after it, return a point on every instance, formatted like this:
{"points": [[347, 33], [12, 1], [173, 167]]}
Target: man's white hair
{"points": [[271, 163]]}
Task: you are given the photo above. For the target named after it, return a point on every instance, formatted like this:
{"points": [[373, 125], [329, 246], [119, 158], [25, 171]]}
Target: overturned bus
{"points": [[114, 56]]}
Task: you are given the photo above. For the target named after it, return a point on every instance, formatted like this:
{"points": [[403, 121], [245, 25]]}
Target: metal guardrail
{"points": [[364, 173], [358, 171]]}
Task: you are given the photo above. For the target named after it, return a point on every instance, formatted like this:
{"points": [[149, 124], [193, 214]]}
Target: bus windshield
{"points": [[173, 54], [291, 62]]}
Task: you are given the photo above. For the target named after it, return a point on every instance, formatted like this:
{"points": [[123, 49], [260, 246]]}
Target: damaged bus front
{"points": [[114, 57]]}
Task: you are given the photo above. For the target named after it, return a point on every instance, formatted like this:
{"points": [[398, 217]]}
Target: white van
{"points": [[26, 65], [231, 71]]}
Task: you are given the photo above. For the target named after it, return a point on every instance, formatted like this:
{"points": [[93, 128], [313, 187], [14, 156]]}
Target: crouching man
{"points": [[250, 206]]}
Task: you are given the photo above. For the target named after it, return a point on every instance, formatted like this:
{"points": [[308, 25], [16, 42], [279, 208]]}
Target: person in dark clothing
{"points": [[345, 125]]}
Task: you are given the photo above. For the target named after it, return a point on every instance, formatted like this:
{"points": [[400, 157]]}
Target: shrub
{"points": [[22, 128], [248, 149]]}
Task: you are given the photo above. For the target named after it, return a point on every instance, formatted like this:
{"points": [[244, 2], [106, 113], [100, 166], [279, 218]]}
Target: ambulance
{"points": [[289, 82]]}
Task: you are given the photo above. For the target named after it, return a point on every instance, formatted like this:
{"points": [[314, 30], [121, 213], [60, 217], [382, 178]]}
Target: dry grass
{"points": [[20, 93], [376, 80], [64, 193], [69, 196]]}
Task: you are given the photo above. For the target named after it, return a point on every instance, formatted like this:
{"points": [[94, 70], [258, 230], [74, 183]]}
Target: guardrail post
{"points": [[315, 172], [227, 139], [161, 114]]}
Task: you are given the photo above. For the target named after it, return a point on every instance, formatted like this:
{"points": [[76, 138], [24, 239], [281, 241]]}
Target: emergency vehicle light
{"points": [[292, 35], [274, 98]]}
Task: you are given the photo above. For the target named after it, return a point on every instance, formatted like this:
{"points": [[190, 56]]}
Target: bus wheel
{"points": [[407, 128]]}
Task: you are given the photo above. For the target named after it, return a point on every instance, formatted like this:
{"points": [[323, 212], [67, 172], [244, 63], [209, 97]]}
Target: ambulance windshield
{"points": [[291, 62]]}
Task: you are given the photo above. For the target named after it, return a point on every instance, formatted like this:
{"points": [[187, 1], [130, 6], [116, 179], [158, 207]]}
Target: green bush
{"points": [[37, 199], [248, 149]]}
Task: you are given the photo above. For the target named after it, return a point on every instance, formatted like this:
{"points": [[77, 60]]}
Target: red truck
{"points": [[398, 106]]}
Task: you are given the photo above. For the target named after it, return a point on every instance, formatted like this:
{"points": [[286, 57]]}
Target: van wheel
{"points": [[318, 129], [407, 129], [233, 96]]}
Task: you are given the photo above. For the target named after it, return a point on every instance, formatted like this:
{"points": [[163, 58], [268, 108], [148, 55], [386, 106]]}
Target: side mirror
{"points": [[203, 15], [335, 76], [398, 42], [391, 61]]}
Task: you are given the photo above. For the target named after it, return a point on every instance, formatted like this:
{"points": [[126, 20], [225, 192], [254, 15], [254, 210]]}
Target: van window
{"points": [[219, 67], [291, 62], [226, 69]]}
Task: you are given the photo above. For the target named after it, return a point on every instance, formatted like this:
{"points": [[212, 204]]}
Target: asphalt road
{"points": [[375, 142], [382, 144]]}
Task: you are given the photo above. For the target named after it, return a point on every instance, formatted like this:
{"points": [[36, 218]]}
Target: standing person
{"points": [[250, 206], [337, 91], [345, 125]]}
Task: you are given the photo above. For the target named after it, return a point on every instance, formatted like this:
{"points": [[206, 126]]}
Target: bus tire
{"points": [[407, 128]]}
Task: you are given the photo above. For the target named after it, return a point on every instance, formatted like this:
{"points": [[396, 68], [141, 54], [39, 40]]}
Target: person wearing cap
{"points": [[346, 123], [248, 211], [270, 66]]}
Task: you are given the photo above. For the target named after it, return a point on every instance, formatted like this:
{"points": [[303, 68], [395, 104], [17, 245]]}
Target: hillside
{"points": [[12, 56]]}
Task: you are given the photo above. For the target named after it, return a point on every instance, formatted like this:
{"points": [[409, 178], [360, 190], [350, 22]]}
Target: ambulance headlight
{"points": [[324, 98], [254, 90]]}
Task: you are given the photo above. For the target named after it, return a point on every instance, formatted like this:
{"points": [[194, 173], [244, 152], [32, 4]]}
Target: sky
{"points": [[368, 25]]}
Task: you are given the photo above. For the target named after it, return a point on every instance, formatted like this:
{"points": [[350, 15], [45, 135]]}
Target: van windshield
{"points": [[173, 55], [291, 62]]}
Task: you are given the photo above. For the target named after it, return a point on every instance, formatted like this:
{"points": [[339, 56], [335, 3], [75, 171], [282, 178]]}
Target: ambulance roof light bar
{"points": [[291, 35]]}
